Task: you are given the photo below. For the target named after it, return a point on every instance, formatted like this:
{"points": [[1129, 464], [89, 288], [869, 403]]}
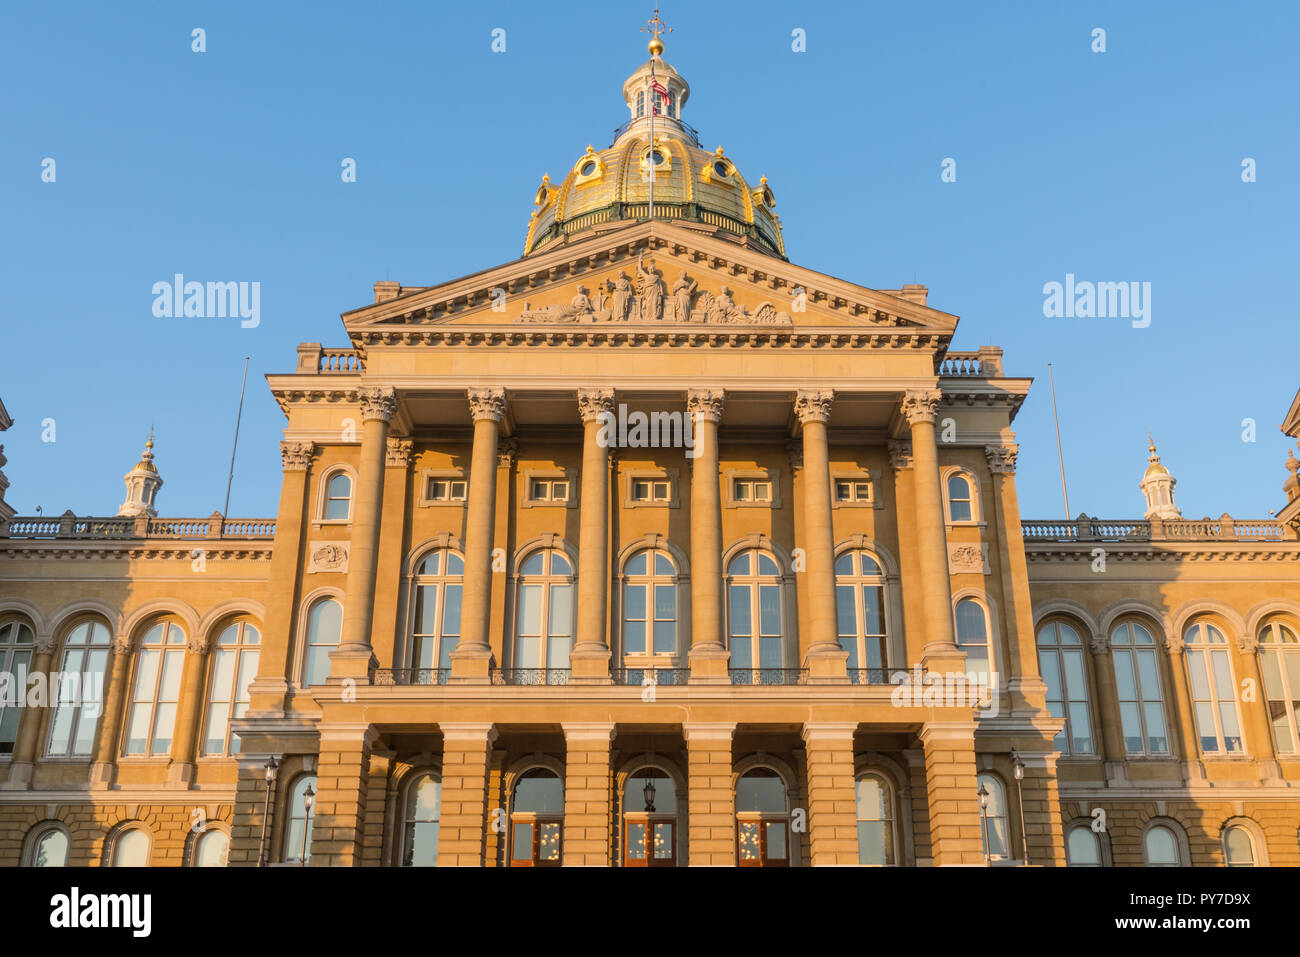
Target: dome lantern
{"points": [[142, 485], [1157, 486]]}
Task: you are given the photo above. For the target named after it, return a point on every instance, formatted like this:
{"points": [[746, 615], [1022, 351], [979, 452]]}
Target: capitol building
{"points": [[649, 548]]}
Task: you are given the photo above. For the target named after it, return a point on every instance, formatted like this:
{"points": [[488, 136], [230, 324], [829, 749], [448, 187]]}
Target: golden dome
{"points": [[690, 183], [1155, 468]]}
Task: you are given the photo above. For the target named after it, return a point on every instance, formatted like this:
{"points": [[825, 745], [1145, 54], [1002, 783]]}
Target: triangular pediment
{"points": [[651, 274]]}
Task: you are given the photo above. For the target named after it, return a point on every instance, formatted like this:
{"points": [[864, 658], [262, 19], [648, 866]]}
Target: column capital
{"points": [[296, 456], [1100, 645], [1248, 644], [398, 453], [121, 644], [829, 731], [377, 402], [197, 644], [592, 403], [708, 731], [1174, 644], [507, 452], [705, 404], [468, 731], [921, 405], [45, 644], [813, 405], [487, 403], [900, 454], [588, 731], [1002, 458]]}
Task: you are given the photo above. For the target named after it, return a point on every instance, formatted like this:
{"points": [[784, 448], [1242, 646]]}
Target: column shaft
{"points": [[110, 722], [590, 656], [31, 719], [339, 813], [472, 659], [952, 793], [711, 802], [587, 794], [825, 659], [708, 655], [189, 712], [832, 805], [940, 649], [464, 817]]}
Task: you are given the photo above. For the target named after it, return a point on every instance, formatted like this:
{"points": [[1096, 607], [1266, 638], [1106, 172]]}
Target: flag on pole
{"points": [[661, 91]]}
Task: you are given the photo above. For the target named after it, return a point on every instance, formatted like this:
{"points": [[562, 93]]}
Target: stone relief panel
{"points": [[968, 559], [327, 557]]}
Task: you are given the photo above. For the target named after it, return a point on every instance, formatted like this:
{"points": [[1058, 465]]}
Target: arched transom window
{"points": [[420, 835], [537, 819], [762, 819], [234, 666], [1061, 663], [860, 611], [1279, 664], [156, 690], [16, 646], [439, 581], [1209, 672], [755, 619], [545, 618], [81, 680], [649, 607], [1137, 683]]}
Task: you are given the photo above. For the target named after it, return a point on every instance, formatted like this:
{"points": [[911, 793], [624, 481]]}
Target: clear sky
{"points": [[225, 165]]}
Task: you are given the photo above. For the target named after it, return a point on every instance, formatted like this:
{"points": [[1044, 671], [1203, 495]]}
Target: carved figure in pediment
{"points": [[650, 292], [580, 305], [683, 290], [724, 308], [621, 304], [704, 307]]}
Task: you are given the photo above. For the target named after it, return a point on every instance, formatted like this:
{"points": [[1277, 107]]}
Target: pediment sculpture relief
{"points": [[646, 298]]}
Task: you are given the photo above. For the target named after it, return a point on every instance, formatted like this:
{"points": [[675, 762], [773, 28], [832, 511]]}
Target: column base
{"points": [[471, 667], [351, 662], [589, 667], [943, 658], [20, 777], [709, 666], [827, 666], [102, 774]]}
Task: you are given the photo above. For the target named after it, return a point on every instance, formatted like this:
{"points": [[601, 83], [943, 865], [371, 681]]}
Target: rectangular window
{"points": [[852, 490], [651, 490], [751, 490], [549, 490], [446, 490]]}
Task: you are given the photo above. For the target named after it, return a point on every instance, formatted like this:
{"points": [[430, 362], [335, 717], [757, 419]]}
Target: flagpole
{"points": [[653, 109], [1060, 457], [238, 416]]}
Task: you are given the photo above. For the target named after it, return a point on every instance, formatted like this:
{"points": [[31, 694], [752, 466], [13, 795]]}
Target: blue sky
{"points": [[1116, 166]]}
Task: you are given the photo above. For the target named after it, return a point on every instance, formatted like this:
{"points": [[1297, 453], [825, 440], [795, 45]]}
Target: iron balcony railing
{"points": [[530, 676], [874, 676], [768, 676], [652, 676], [411, 676]]}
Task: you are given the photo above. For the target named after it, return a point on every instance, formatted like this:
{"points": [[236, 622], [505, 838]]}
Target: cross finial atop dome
{"points": [[656, 26]]}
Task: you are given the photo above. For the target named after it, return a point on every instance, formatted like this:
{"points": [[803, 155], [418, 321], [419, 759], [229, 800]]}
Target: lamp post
{"points": [[1019, 767], [984, 821], [271, 768], [308, 798]]}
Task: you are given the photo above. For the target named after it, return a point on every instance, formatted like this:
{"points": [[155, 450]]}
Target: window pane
{"points": [[636, 841], [872, 609], [1161, 848], [1240, 850], [1124, 679], [1148, 674], [421, 847], [530, 610], [560, 565], [761, 790], [1157, 743], [1196, 674], [561, 614], [739, 565], [766, 566], [970, 622], [1081, 728], [873, 843], [845, 614], [1131, 723], [665, 637], [663, 836], [426, 610], [51, 850], [769, 601], [131, 849], [666, 602], [1050, 668], [776, 840], [634, 637], [663, 566], [532, 564], [218, 715], [1074, 683], [738, 610], [451, 610], [1084, 850], [212, 850], [748, 841], [522, 843], [548, 841]]}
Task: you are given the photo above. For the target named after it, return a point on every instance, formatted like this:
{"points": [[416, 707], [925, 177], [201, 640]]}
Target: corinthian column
{"points": [[189, 713], [590, 656], [24, 757], [708, 655], [940, 652], [354, 657], [824, 657], [110, 721], [472, 660]]}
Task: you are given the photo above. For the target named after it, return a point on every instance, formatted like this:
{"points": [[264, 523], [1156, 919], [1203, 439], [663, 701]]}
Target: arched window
{"points": [[1161, 847], [649, 608], [649, 819], [85, 655], [1279, 664], [1060, 662], [640, 103], [234, 666], [338, 498], [1209, 671], [1082, 848], [961, 498], [996, 828], [131, 848], [672, 107], [439, 582], [537, 819], [544, 623], [48, 846], [156, 691], [875, 809], [1137, 682], [1238, 846], [762, 819], [212, 849], [16, 645], [755, 619], [860, 611], [324, 627], [972, 628], [420, 835], [299, 822]]}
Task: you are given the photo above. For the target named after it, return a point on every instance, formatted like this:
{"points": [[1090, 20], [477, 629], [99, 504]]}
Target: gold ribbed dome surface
{"points": [[690, 183]]}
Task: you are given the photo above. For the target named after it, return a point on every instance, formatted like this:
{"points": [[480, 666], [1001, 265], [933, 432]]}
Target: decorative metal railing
{"points": [[1085, 529], [874, 676], [768, 676], [530, 676], [690, 130], [652, 676], [118, 528], [759, 231], [410, 676]]}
